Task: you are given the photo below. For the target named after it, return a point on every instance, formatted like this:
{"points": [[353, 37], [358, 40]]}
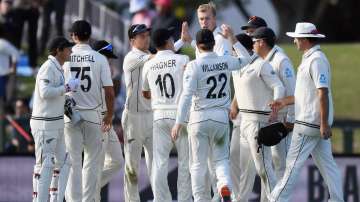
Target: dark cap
{"points": [[263, 33], [59, 42], [105, 48], [81, 28], [254, 22], [204, 36], [160, 36], [245, 40], [137, 29]]}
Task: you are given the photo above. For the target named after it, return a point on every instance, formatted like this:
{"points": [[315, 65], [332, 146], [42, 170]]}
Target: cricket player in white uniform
{"points": [[87, 135], [207, 85], [235, 150], [314, 117], [283, 68], [113, 151], [207, 20], [137, 118], [162, 83], [259, 85], [47, 124]]}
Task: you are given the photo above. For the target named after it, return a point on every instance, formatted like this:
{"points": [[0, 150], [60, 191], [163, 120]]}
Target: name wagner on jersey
{"points": [[163, 65]]}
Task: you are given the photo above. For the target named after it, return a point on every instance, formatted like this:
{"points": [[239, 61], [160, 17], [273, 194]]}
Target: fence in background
{"points": [[106, 24]]}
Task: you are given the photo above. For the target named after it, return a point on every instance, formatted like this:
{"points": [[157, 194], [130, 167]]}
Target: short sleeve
{"points": [[320, 74]]}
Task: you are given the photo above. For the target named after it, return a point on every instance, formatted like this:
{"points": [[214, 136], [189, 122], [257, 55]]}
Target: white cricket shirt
{"points": [[313, 73], [285, 71], [49, 99], [163, 76], [93, 70], [256, 85], [222, 45], [207, 86]]}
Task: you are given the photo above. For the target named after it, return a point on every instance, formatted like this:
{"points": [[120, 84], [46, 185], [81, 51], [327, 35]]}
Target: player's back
{"points": [[212, 87], [93, 70], [163, 76]]}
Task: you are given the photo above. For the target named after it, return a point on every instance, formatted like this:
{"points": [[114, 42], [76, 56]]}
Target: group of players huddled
{"points": [[172, 101]]}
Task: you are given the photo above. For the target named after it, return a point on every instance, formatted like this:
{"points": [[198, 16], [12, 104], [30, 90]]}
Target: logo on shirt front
{"points": [[288, 73], [272, 72], [322, 79]]}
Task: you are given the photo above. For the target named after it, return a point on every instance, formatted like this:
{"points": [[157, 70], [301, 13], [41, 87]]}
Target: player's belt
{"points": [[307, 124], [254, 111], [47, 118]]}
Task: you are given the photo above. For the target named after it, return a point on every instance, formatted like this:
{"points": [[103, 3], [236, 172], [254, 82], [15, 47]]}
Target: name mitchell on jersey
{"points": [[82, 58]]}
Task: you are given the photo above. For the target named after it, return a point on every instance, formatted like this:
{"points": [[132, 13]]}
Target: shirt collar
{"points": [[55, 61], [311, 51], [165, 52], [253, 57], [207, 54], [81, 46], [271, 54]]}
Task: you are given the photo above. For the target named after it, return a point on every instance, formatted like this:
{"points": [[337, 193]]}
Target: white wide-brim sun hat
{"points": [[305, 30]]}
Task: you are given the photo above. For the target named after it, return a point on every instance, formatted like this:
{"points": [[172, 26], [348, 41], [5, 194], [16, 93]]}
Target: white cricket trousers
{"points": [[113, 157], [162, 146], [138, 130], [84, 178], [49, 154], [300, 148], [235, 162], [278, 153], [205, 137], [238, 147], [251, 155]]}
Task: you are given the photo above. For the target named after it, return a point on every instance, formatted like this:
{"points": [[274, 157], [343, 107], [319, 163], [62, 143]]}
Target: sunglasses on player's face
{"points": [[109, 47]]}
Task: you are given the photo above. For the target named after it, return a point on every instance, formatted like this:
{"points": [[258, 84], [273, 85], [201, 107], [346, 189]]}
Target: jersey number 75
{"points": [[84, 76]]}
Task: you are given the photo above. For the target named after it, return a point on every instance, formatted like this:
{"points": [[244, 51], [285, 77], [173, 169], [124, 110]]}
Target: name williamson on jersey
{"points": [[214, 67]]}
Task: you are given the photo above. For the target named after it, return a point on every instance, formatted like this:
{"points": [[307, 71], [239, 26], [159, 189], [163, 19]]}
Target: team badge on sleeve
{"points": [[288, 73], [322, 79]]}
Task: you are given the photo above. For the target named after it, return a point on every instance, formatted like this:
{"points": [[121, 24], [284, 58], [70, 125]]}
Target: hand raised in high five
{"points": [[185, 35]]}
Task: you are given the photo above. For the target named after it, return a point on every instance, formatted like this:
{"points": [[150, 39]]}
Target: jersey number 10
{"points": [[84, 76], [163, 85]]}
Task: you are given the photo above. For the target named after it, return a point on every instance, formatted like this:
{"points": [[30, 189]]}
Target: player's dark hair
{"points": [[207, 46], [55, 51], [82, 37], [270, 42]]}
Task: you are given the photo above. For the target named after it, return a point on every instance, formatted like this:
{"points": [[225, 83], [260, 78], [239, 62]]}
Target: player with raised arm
{"points": [[206, 89]]}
